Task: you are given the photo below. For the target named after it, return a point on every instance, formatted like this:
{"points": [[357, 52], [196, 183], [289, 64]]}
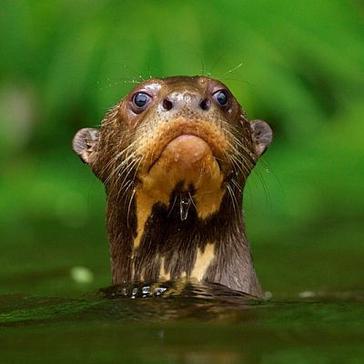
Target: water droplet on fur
{"points": [[146, 291], [184, 207], [159, 291], [134, 292]]}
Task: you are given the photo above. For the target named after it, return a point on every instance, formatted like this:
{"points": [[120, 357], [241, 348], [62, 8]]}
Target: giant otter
{"points": [[174, 156]]}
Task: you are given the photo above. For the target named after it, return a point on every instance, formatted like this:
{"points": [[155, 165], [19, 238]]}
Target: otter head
{"points": [[175, 151]]}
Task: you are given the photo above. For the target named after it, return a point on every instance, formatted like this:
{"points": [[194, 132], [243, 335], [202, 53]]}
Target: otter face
{"points": [[180, 133]]}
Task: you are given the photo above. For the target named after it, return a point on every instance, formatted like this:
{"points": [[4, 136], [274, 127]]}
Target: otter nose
{"points": [[177, 101]]}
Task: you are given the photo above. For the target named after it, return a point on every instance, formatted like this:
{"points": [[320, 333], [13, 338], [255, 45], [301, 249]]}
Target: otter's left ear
{"points": [[85, 144], [262, 136]]}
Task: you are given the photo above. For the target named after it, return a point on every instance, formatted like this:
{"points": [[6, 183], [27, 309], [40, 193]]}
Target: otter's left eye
{"points": [[141, 99], [221, 97]]}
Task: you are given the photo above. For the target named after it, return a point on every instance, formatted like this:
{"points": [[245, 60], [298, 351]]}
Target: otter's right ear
{"points": [[85, 144]]}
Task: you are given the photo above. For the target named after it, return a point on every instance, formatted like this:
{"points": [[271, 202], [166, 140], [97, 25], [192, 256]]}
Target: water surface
{"points": [[197, 325]]}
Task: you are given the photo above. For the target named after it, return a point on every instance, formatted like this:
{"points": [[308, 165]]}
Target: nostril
{"points": [[205, 104], [167, 104]]}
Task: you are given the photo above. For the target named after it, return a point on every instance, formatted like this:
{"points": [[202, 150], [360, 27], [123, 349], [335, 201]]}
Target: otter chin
{"points": [[174, 156], [186, 161]]}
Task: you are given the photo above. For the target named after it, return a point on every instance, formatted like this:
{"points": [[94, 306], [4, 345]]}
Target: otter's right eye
{"points": [[141, 100]]}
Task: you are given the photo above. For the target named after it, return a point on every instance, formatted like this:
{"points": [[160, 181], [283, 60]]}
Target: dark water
{"points": [[172, 324]]}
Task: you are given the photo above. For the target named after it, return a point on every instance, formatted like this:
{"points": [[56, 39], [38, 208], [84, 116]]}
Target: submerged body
{"points": [[174, 156]]}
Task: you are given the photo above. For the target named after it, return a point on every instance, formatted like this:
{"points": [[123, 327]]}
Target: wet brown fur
{"points": [[129, 144]]}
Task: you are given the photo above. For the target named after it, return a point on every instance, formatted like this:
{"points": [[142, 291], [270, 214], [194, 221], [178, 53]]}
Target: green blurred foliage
{"points": [[298, 65]]}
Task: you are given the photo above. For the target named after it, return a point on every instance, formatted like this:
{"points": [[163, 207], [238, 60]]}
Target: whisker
{"points": [[232, 197], [129, 207], [192, 201], [171, 209], [233, 69]]}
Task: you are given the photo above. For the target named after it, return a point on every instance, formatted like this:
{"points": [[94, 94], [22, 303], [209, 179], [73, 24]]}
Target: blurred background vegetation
{"points": [[298, 65]]}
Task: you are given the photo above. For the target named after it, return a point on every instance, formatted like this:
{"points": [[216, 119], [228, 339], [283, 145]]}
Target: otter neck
{"points": [[173, 242]]}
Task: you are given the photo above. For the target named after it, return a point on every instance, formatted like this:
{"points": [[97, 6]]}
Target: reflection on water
{"points": [[176, 288], [181, 324]]}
